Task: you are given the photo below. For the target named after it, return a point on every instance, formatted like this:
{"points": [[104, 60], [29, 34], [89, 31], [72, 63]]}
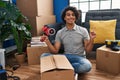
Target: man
{"points": [[76, 40]]}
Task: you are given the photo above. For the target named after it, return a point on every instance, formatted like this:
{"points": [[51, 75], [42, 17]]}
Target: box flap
{"points": [[54, 62], [47, 63], [62, 62]]}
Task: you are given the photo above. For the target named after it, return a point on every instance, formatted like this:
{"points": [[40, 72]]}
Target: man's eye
{"points": [[73, 14], [70, 15]]}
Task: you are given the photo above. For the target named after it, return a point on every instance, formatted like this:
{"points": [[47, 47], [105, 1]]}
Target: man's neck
{"points": [[70, 26]]}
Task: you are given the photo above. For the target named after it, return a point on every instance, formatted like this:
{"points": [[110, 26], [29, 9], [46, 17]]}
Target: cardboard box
{"points": [[34, 53], [108, 60], [39, 21], [56, 67], [35, 7]]}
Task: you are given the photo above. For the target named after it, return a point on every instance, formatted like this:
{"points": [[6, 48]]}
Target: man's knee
{"points": [[84, 68]]}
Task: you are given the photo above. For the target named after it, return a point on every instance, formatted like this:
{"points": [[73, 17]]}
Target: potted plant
{"points": [[13, 22]]}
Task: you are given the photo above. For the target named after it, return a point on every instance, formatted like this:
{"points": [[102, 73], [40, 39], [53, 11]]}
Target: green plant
{"points": [[13, 22]]}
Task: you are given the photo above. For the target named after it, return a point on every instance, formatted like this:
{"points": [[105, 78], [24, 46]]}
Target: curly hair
{"points": [[72, 9]]}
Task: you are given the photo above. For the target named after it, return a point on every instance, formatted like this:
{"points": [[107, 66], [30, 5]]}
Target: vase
{"points": [[20, 58]]}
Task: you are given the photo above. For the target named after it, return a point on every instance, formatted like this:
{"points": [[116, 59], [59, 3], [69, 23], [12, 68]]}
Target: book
{"points": [[35, 41], [38, 44]]}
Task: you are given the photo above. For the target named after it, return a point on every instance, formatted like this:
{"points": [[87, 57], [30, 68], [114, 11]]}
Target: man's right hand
{"points": [[44, 38]]}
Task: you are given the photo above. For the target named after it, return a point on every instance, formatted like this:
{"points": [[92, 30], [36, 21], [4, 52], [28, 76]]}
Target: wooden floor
{"points": [[32, 72]]}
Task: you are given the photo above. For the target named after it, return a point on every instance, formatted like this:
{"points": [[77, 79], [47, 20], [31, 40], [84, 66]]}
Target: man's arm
{"points": [[53, 48], [89, 43]]}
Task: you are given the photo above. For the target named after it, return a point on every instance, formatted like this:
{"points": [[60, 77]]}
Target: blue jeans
{"points": [[79, 63]]}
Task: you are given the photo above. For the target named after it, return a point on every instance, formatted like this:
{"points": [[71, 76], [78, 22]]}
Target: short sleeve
{"points": [[58, 37], [86, 34]]}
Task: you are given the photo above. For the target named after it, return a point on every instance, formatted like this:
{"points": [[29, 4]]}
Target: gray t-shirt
{"points": [[73, 40]]}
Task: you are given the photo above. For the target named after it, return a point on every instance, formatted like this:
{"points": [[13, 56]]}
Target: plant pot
{"points": [[20, 58]]}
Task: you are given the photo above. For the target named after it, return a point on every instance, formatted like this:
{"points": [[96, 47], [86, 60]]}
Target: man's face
{"points": [[70, 17]]}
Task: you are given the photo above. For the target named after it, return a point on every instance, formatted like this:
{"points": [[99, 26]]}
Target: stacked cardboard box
{"points": [[108, 60], [39, 12]]}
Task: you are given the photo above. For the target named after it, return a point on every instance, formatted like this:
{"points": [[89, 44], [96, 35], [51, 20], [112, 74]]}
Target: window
{"points": [[86, 5]]}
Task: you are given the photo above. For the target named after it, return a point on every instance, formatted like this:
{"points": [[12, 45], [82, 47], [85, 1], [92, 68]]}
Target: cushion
{"points": [[104, 29]]}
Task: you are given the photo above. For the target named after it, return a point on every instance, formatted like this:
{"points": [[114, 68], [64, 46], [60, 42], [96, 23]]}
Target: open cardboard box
{"points": [[56, 67]]}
